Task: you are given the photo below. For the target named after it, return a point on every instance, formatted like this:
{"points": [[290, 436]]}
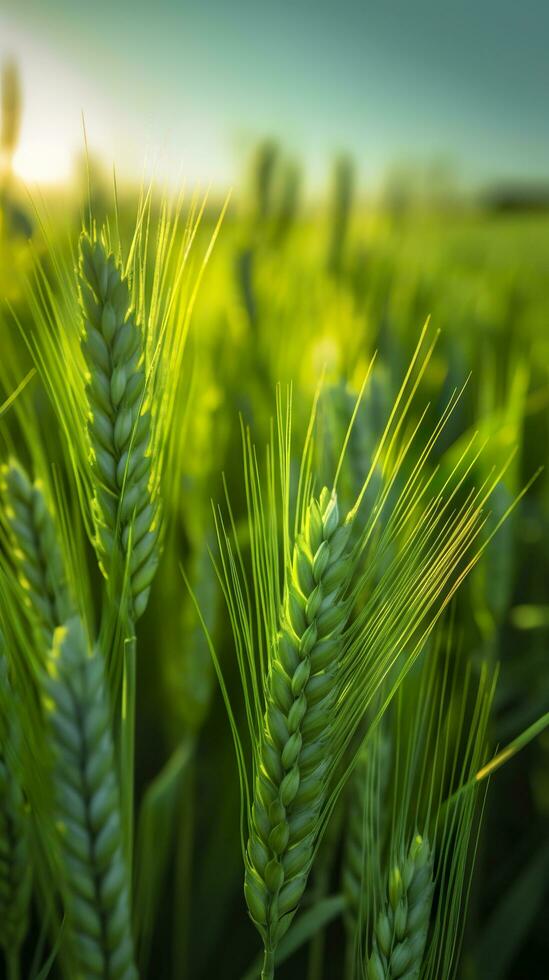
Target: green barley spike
{"points": [[119, 426], [15, 863], [94, 884], [291, 778], [35, 549], [400, 930]]}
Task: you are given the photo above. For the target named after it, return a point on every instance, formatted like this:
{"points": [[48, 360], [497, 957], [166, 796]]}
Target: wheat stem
{"points": [[268, 969]]}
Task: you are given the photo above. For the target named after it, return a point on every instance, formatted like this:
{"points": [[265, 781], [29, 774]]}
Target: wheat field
{"points": [[273, 586]]}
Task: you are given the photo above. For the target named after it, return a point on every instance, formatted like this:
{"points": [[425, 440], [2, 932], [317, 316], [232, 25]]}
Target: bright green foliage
{"points": [[15, 862], [400, 931], [34, 549], [290, 784], [119, 426], [94, 883]]}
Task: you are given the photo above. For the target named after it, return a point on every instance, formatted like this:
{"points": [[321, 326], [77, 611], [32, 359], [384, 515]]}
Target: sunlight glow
{"points": [[42, 162]]}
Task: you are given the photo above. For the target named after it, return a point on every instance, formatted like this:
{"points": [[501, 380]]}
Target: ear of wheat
{"points": [[119, 427], [94, 883], [290, 785], [400, 931], [109, 349]]}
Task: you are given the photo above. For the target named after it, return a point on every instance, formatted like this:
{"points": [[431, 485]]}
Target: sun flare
{"points": [[42, 162]]}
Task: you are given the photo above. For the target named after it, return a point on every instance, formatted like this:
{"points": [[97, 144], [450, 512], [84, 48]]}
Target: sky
{"points": [[185, 88]]}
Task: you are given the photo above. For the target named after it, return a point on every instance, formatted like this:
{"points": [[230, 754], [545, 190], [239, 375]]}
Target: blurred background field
{"points": [[330, 249]]}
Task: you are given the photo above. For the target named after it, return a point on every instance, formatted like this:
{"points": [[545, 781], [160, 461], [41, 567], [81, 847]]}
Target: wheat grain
{"points": [[94, 884], [119, 427], [290, 784], [400, 930]]}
